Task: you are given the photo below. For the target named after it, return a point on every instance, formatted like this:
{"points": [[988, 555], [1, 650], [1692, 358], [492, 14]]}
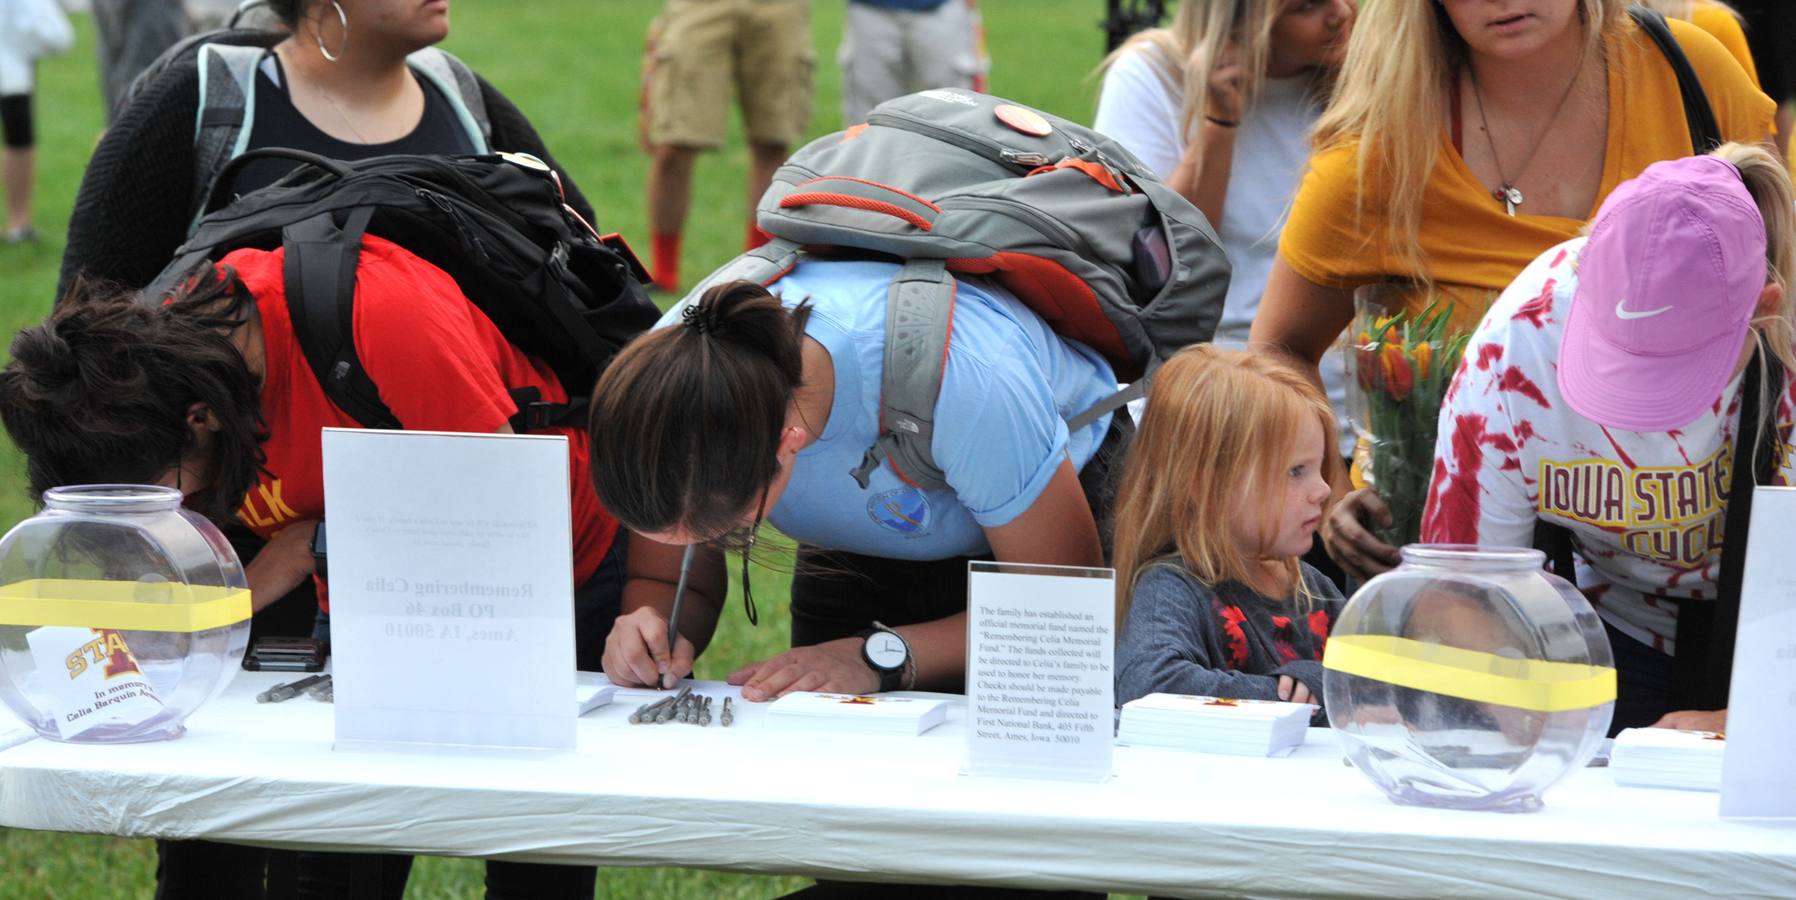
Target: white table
{"points": [[753, 800]]}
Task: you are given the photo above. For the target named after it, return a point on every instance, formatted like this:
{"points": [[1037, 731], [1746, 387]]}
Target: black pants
{"points": [[836, 595], [206, 869], [1645, 683]]}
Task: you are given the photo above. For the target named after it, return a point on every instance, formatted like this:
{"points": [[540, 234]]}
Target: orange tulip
{"points": [[1399, 378]]}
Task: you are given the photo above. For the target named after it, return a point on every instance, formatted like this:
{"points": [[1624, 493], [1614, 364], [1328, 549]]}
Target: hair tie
{"points": [[700, 317]]}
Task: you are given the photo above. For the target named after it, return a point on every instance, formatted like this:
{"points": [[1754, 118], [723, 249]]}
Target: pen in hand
{"points": [[673, 618]]}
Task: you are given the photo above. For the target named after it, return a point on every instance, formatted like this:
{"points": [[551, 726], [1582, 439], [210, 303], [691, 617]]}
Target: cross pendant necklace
{"points": [[1507, 193]]}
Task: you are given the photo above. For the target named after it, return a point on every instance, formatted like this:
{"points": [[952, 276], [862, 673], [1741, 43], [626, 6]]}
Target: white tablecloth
{"points": [[757, 800]]}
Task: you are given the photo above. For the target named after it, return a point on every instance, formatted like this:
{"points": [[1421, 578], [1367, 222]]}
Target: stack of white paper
{"points": [[1215, 725], [1669, 758], [591, 691], [876, 714]]}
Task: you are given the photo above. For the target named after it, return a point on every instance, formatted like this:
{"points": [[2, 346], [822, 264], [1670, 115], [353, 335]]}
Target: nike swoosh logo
{"points": [[1622, 312]]}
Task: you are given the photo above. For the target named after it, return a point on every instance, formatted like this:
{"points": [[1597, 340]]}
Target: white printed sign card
{"points": [[1041, 648], [1756, 777], [450, 565]]}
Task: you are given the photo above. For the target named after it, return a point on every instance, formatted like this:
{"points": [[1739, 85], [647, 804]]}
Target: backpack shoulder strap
{"points": [[319, 276], [763, 265], [919, 318], [227, 112], [1699, 117], [457, 82]]}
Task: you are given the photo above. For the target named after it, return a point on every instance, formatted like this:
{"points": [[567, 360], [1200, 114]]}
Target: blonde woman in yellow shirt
{"points": [[1464, 138]]}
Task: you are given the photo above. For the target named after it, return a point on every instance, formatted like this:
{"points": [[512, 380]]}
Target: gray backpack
{"points": [[952, 182]]}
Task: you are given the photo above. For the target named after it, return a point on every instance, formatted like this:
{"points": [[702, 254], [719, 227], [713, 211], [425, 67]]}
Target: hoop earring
{"points": [[342, 20]]}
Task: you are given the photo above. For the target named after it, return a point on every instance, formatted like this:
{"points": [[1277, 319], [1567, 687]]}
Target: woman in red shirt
{"points": [[210, 392]]}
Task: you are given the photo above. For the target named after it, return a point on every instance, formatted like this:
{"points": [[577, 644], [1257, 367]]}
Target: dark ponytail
{"points": [[686, 420], [99, 393]]}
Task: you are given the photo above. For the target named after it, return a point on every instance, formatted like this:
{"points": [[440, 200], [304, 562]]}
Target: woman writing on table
{"points": [[1463, 138], [746, 406]]}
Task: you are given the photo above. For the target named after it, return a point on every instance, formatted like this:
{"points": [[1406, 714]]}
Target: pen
{"points": [[673, 618], [287, 691]]}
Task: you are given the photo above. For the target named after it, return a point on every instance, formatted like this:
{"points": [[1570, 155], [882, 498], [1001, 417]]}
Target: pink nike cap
{"points": [[1667, 286]]}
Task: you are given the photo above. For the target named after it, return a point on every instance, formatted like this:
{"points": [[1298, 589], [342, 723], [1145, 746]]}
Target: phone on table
{"points": [[285, 654]]}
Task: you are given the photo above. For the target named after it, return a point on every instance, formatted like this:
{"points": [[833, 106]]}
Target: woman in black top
{"points": [[337, 85]]}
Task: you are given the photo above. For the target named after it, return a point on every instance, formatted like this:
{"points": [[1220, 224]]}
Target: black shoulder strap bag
{"points": [[1704, 662]]}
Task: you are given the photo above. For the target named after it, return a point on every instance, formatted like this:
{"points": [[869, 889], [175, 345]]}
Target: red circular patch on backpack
{"points": [[1027, 121]]}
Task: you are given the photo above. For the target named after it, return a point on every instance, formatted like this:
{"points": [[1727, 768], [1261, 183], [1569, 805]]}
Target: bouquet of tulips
{"points": [[1401, 366]]}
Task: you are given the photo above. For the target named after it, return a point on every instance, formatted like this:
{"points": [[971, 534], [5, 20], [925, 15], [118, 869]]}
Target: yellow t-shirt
{"points": [[1724, 26], [1472, 246]]}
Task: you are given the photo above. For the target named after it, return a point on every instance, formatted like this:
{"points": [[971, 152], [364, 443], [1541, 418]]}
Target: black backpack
{"points": [[497, 224]]}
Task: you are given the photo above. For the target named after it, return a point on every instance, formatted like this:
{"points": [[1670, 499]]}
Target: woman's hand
{"points": [[1226, 97], [834, 666], [282, 564], [636, 651], [1695, 720], [1349, 542]]}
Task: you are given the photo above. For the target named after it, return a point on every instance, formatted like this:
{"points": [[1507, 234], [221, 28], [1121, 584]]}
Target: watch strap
{"points": [[889, 679]]}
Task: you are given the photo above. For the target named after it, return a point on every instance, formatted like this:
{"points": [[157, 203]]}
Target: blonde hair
{"points": [[1768, 181], [1209, 24], [1392, 96], [1218, 429]]}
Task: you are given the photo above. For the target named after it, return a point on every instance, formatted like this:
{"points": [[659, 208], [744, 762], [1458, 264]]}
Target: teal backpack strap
{"points": [[456, 81], [227, 113], [919, 317]]}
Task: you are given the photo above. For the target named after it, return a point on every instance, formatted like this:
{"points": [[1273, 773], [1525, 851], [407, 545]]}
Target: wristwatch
{"points": [[887, 653]]}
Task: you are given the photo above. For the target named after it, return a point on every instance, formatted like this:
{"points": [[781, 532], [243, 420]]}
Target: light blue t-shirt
{"points": [[1000, 421]]}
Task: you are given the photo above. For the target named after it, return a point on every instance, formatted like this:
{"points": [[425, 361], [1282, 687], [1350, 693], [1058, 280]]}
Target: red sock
{"points": [[755, 237], [665, 251]]}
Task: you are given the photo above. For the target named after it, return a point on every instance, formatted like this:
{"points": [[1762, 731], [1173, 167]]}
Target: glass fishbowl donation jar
{"points": [[1469, 678], [120, 613]]}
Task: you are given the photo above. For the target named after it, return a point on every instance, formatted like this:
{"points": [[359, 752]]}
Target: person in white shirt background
{"points": [[1220, 105], [1602, 392]]}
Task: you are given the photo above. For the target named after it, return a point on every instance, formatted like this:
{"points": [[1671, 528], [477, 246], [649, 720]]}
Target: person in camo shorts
{"points": [[699, 51]]}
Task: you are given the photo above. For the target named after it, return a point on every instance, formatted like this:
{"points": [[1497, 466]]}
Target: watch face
{"points": [[886, 650]]}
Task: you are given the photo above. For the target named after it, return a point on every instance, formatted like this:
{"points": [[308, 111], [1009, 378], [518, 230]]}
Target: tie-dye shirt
{"points": [[1645, 509]]}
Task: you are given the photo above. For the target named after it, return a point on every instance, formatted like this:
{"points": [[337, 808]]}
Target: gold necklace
{"points": [[1507, 193]]}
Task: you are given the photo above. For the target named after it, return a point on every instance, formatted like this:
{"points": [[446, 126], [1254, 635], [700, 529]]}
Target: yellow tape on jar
{"points": [[122, 605], [1530, 684]]}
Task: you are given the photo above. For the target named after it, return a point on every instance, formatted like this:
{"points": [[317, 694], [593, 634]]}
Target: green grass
{"points": [[573, 66]]}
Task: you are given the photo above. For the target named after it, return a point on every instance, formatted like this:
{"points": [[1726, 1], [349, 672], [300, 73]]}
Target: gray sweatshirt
{"points": [[1185, 637]]}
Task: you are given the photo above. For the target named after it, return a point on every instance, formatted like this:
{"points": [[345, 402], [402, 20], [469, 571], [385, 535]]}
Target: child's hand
{"points": [[1295, 691]]}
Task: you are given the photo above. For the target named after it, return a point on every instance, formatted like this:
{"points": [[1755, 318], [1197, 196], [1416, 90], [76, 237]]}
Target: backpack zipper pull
{"points": [[468, 241], [1028, 159]]}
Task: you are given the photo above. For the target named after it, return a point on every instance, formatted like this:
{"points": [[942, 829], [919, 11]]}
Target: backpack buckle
{"points": [[539, 415]]}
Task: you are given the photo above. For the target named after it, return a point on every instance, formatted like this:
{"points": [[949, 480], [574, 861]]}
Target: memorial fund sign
{"points": [[450, 559], [1041, 646]]}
